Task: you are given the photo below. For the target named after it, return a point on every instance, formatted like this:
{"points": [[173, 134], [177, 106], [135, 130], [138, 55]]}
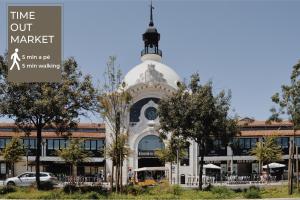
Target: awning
{"points": [[273, 165], [211, 166], [151, 169]]}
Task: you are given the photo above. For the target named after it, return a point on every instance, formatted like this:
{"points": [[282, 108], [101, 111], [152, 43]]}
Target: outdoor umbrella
{"points": [[211, 166], [273, 165]]}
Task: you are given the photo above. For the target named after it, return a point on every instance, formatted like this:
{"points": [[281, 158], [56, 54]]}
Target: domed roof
{"points": [[151, 71]]}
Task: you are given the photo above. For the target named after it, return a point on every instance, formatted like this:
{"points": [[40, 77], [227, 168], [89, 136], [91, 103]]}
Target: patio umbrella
{"points": [[211, 166], [273, 165]]}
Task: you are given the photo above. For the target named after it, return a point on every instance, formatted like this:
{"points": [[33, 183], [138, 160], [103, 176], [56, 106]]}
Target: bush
{"points": [[92, 195], [98, 189], [208, 187], [46, 185], [7, 189], [176, 189], [134, 190], [252, 193], [222, 192], [70, 188]]}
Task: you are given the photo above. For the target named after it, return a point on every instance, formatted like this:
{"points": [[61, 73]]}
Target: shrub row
{"points": [[70, 188]]}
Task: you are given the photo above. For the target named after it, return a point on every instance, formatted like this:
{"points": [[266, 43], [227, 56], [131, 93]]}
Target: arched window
{"points": [[148, 145]]}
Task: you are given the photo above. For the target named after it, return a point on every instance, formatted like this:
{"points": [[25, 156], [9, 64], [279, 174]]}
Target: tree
{"points": [[288, 104], [74, 154], [170, 156], [120, 146], [36, 106], [194, 112], [115, 101], [266, 151], [13, 153]]}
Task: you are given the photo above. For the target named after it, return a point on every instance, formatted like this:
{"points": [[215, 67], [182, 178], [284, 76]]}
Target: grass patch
{"points": [[163, 191]]}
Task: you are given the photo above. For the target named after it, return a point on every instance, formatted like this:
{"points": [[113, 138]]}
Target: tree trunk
{"points": [[13, 169], [171, 164], [177, 157], [117, 177], [37, 158], [259, 167], [201, 165], [290, 182], [121, 177], [112, 177]]}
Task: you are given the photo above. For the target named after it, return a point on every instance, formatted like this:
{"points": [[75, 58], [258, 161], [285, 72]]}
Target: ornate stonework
{"points": [[151, 75]]}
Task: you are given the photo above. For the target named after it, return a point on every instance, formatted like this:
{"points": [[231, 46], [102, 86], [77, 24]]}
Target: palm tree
{"points": [[267, 151]]}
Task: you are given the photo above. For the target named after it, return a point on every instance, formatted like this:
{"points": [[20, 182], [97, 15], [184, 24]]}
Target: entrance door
{"points": [[150, 162], [146, 151]]}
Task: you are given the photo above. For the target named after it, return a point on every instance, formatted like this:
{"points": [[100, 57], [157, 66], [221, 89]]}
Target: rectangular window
{"points": [[93, 144], [2, 168], [253, 142], [26, 143], [2, 144], [62, 144], [56, 144], [32, 144], [7, 140], [50, 144], [87, 144], [297, 141], [100, 144], [242, 143], [247, 143], [67, 143]]}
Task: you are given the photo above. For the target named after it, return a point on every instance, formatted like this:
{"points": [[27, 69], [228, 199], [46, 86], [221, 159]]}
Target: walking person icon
{"points": [[15, 58]]}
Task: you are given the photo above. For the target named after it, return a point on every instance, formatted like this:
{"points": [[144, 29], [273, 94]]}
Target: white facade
{"points": [[147, 83]]}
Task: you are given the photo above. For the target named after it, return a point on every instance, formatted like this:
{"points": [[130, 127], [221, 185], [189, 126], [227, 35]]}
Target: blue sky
{"points": [[246, 46]]}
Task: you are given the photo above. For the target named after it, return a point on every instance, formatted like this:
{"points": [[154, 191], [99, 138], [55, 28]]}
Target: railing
{"points": [[194, 180], [151, 51], [81, 180]]}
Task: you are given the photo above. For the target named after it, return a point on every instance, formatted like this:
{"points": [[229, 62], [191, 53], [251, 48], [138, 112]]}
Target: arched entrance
{"points": [[146, 151]]}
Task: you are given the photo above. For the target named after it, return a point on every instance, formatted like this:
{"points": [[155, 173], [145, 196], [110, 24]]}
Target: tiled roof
{"points": [[97, 130], [85, 130]]}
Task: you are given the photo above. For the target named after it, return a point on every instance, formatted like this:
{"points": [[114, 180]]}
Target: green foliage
{"points": [[169, 153], [34, 106], [13, 151], [252, 193], [70, 188], [98, 189], [92, 195], [46, 185], [115, 101], [176, 189], [157, 192], [134, 190], [7, 189], [267, 150], [222, 192], [74, 153], [194, 112], [118, 148], [56, 105], [289, 100]]}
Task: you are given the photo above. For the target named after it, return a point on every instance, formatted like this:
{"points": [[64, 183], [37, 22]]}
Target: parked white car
{"points": [[28, 179]]}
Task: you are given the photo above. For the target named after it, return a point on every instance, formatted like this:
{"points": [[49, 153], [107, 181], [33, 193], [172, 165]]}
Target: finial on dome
{"points": [[151, 15], [151, 39]]}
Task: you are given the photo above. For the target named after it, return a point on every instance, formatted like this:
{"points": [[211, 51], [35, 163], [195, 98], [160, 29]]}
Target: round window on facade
{"points": [[151, 113]]}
